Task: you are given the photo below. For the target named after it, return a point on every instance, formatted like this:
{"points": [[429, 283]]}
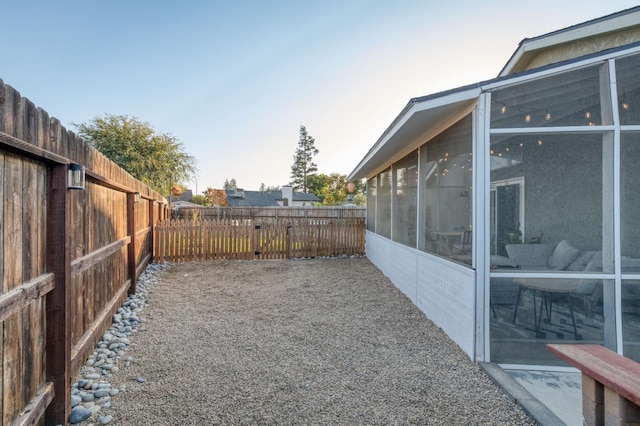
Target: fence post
{"points": [[131, 249], [58, 345]]}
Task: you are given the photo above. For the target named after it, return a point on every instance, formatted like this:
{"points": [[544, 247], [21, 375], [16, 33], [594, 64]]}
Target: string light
{"points": [[503, 109], [547, 116], [527, 118], [587, 115], [625, 105], [540, 142]]}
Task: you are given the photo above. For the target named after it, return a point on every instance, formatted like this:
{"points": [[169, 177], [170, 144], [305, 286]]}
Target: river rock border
{"points": [[92, 392]]}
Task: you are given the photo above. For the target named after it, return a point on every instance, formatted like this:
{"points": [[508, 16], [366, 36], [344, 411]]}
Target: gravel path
{"points": [[327, 341]]}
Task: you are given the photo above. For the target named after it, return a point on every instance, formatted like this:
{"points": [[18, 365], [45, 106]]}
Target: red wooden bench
{"points": [[610, 383]]}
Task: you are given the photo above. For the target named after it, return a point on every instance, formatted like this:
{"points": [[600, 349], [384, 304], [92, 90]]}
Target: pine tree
{"points": [[303, 165]]}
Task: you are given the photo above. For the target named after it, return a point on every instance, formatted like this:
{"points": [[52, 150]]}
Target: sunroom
{"points": [[509, 211]]}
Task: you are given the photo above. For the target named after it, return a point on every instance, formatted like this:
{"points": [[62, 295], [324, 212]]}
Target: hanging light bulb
{"points": [[587, 115], [540, 142], [625, 105], [527, 118], [503, 109], [547, 116]]}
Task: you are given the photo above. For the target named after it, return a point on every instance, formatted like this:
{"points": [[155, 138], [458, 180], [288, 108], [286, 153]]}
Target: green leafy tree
{"points": [[316, 184], [201, 200], [159, 160], [303, 165], [230, 184], [335, 192]]}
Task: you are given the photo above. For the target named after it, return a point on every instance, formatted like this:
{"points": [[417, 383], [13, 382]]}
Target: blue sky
{"points": [[234, 80]]}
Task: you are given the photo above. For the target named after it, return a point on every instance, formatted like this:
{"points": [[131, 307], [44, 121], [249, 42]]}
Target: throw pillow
{"points": [[563, 255]]}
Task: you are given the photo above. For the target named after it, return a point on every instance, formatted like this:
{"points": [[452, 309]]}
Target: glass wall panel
{"points": [[383, 211], [447, 192], [371, 204], [528, 313], [628, 85], [631, 318], [547, 202], [566, 99], [406, 208], [630, 201]]}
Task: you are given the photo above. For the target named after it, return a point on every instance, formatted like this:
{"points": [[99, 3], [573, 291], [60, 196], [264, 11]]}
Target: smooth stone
{"points": [[92, 376], [114, 392], [75, 400], [101, 393], [88, 397], [117, 317], [106, 405], [104, 419], [79, 414], [95, 409], [140, 380]]}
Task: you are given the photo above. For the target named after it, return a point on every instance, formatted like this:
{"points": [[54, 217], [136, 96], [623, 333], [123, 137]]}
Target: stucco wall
{"points": [[580, 48]]}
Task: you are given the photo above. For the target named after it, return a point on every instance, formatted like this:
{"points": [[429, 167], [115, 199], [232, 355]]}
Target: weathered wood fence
{"points": [[68, 258], [185, 240]]}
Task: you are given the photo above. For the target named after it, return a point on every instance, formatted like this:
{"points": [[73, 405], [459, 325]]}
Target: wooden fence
{"points": [[68, 258], [185, 240]]}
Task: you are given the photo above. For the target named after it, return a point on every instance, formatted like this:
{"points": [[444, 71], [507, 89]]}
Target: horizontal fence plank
{"points": [[36, 407], [85, 262], [16, 299]]}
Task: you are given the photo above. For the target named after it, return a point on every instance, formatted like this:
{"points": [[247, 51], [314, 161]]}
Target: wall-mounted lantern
{"points": [[75, 177], [137, 197]]}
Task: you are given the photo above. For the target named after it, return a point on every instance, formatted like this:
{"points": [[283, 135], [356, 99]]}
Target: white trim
{"points": [[446, 100], [533, 367], [617, 255], [551, 130]]}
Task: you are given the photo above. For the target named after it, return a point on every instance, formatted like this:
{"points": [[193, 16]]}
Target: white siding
{"points": [[444, 291]]}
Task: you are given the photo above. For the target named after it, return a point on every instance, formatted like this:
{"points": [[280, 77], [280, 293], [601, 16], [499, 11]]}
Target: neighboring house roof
{"points": [[180, 203], [302, 196], [187, 195], [263, 198], [582, 39]]}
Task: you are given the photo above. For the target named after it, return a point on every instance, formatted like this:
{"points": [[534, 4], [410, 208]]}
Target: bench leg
{"points": [[619, 410], [592, 401]]}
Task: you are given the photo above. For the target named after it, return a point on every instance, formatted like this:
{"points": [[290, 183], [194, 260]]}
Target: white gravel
{"points": [[327, 341]]}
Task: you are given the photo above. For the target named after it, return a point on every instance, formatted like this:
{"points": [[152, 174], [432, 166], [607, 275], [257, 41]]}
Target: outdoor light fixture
{"points": [[137, 197], [75, 177]]}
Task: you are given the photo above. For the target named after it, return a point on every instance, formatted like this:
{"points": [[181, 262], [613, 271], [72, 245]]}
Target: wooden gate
{"points": [[184, 240]]}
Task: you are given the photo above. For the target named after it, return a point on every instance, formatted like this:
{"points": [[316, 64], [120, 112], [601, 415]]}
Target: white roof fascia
{"points": [[418, 106], [571, 34]]}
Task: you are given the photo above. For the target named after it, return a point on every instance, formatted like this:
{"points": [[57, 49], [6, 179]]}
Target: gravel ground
{"points": [[327, 341]]}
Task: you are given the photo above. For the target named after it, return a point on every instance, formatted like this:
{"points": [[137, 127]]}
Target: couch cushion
{"points": [[589, 285], [581, 262], [563, 255], [530, 256]]}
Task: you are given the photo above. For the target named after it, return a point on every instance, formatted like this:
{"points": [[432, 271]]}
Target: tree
{"points": [[262, 187], [201, 200], [303, 165], [332, 189], [230, 184], [159, 160], [217, 197]]}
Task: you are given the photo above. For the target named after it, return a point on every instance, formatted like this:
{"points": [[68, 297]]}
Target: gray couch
{"points": [[565, 257]]}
